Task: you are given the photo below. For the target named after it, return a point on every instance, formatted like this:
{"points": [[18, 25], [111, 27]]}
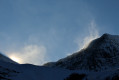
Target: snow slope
{"points": [[101, 54], [9, 71]]}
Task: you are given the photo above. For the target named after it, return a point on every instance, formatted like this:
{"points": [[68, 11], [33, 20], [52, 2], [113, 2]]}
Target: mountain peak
{"points": [[109, 36], [105, 40], [106, 35]]}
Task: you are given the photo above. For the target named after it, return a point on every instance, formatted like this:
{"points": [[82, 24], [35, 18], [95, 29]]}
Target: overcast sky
{"points": [[38, 31]]}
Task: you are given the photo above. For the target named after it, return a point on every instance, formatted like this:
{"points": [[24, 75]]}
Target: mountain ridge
{"points": [[6, 59], [101, 54]]}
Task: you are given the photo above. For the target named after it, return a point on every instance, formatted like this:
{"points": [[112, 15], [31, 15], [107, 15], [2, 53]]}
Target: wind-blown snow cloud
{"points": [[93, 34], [30, 54]]}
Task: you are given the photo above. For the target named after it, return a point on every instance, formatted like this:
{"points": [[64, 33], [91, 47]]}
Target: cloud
{"points": [[93, 33], [30, 54]]}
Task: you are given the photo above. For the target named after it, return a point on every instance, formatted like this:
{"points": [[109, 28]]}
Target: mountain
{"points": [[9, 71], [101, 54], [99, 61], [6, 59]]}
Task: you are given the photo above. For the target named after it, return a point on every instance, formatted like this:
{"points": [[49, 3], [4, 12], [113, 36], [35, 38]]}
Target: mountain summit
{"points": [[101, 54]]}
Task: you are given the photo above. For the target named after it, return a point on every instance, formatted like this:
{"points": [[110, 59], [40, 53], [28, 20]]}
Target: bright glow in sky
{"points": [[37, 31], [16, 59]]}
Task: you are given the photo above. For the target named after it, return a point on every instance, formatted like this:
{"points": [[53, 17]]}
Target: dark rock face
{"points": [[101, 54]]}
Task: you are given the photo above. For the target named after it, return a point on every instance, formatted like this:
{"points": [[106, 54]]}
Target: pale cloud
{"points": [[93, 33], [33, 54]]}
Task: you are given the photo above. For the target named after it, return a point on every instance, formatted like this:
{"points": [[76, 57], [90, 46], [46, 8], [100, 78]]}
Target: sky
{"points": [[40, 31]]}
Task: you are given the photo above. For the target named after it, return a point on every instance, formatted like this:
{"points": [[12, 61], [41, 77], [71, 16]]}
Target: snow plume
{"points": [[33, 54], [92, 34]]}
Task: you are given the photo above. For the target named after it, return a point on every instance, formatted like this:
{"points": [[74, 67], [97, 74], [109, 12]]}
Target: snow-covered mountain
{"points": [[99, 61], [10, 71], [101, 54]]}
